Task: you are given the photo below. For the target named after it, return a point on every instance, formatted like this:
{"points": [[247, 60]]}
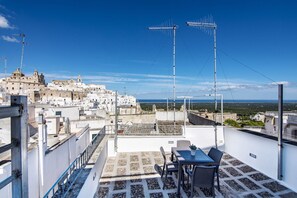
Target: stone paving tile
{"points": [[122, 162], [119, 195], [145, 154], [265, 194], [146, 161], [226, 192], [103, 191], [119, 185], [234, 185], [259, 177], [134, 158], [156, 154], [227, 156], [134, 167], [156, 195], [223, 163], [152, 184], [235, 162], [170, 183], [232, 171], [222, 174], [249, 184], [289, 195], [111, 160], [123, 155], [173, 195], [121, 171], [137, 191], [246, 169], [109, 168], [159, 161], [250, 196], [275, 186], [149, 169], [207, 192]]}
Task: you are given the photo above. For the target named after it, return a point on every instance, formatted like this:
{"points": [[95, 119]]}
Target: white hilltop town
{"points": [[63, 93]]}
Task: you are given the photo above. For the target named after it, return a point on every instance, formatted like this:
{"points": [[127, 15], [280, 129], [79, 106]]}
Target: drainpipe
{"points": [[280, 132], [41, 153], [185, 110], [116, 123]]}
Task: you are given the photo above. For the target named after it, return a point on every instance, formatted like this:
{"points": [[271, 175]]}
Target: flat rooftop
{"points": [[132, 174]]}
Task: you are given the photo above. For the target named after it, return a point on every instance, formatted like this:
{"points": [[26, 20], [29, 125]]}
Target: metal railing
{"points": [[65, 182], [18, 146]]}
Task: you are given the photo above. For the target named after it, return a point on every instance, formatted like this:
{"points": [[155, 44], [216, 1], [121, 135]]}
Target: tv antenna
{"points": [[207, 25], [173, 28], [22, 35], [5, 64]]}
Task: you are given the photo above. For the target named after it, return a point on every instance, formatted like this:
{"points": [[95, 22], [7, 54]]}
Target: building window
{"points": [[58, 113]]}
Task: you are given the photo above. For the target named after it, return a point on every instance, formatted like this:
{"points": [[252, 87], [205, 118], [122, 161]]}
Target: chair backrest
{"points": [[203, 176], [183, 143], [163, 153], [216, 155]]}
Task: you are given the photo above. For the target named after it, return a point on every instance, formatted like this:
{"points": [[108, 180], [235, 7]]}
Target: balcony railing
{"points": [[18, 146], [65, 182]]}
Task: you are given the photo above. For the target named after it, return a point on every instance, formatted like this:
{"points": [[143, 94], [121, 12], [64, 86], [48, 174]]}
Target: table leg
{"points": [[179, 178]]}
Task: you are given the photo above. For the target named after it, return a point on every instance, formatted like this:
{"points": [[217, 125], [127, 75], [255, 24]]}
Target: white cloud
{"points": [[10, 39], [4, 23]]}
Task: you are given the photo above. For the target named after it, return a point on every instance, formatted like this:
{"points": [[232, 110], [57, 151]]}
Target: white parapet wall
{"points": [[57, 161], [202, 136], [261, 153], [169, 116]]}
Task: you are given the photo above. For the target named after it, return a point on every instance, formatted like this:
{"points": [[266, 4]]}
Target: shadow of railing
{"points": [[65, 182]]}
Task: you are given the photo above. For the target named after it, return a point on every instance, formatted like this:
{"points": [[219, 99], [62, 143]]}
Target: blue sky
{"points": [[108, 42]]}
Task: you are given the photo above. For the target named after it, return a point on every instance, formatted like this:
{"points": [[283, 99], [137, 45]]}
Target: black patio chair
{"points": [[203, 177], [216, 155], [168, 167]]}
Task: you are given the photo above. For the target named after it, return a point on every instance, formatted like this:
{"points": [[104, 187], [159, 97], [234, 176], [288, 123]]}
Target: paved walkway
{"points": [[133, 175]]}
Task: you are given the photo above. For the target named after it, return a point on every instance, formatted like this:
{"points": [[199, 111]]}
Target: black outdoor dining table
{"points": [[184, 157]]}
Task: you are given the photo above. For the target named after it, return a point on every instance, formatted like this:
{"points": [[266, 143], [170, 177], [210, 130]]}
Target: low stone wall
{"points": [[198, 120]]}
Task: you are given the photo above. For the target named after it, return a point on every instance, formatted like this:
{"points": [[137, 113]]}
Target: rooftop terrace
{"points": [[132, 174]]}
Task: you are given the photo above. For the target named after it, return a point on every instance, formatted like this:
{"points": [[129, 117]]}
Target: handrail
{"points": [[10, 111], [17, 111], [78, 164]]}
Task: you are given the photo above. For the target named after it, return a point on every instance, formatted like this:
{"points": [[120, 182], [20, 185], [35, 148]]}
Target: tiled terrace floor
{"points": [[133, 175]]}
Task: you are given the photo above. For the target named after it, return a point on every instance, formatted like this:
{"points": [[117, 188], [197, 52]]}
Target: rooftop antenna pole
{"points": [[23, 48], [174, 27], [204, 26], [5, 66]]}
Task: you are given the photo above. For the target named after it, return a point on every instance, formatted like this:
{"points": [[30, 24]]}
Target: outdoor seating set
{"points": [[199, 168]]}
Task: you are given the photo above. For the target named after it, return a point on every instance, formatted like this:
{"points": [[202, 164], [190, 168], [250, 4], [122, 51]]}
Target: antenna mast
{"points": [[5, 66], [204, 26], [23, 48], [174, 27]]}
